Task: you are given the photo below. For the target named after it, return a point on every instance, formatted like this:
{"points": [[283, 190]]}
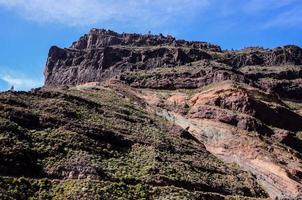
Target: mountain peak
{"points": [[98, 38]]}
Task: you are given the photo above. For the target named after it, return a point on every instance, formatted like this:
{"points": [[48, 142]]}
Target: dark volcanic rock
{"points": [[103, 54], [284, 88], [98, 38], [188, 77], [268, 57], [244, 122], [71, 67]]}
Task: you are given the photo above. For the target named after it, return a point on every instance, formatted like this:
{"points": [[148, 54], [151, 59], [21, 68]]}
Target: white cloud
{"points": [[289, 18], [260, 14], [152, 13], [282, 13], [20, 82], [88, 12], [256, 6]]}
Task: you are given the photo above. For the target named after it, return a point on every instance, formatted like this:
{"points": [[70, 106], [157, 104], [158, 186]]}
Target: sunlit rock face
{"points": [[103, 54]]}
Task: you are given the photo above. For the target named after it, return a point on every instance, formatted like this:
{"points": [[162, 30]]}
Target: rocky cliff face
{"points": [[129, 116], [98, 38], [101, 55]]}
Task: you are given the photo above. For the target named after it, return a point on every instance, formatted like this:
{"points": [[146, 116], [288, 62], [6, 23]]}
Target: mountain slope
{"points": [[95, 143], [129, 116]]}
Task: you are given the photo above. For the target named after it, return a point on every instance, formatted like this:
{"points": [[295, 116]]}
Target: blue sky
{"points": [[30, 27]]}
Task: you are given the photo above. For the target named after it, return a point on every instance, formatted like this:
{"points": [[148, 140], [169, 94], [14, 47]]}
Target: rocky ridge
{"points": [[102, 54]]}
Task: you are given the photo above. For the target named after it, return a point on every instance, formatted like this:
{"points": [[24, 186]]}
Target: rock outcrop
{"points": [[102, 54], [265, 57], [98, 38], [243, 125]]}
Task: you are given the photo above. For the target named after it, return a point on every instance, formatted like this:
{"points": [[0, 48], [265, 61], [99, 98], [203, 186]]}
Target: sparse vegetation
{"points": [[97, 144]]}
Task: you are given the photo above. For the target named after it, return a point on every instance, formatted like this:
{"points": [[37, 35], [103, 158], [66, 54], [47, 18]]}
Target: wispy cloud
{"points": [[20, 82], [288, 18], [155, 13], [256, 6], [276, 13], [83, 12], [260, 14]]}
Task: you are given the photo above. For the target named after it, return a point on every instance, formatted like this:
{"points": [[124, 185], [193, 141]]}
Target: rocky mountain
{"points": [[101, 55], [130, 116]]}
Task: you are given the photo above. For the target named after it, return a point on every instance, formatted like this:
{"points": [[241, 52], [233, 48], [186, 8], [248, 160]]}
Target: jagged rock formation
{"points": [[100, 38], [101, 55], [129, 116]]}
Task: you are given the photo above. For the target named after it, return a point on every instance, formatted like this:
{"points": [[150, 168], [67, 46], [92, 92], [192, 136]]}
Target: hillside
{"points": [[129, 116]]}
